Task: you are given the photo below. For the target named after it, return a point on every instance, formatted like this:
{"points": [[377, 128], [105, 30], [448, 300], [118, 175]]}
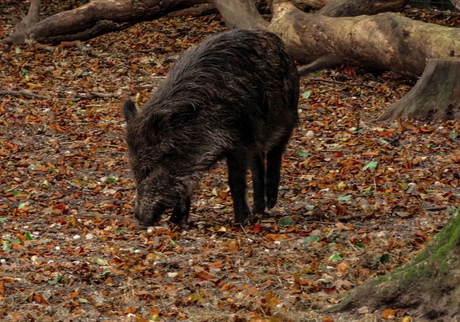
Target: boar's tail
{"points": [[129, 110]]}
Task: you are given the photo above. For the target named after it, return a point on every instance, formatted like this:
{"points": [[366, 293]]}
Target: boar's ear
{"points": [[129, 110]]}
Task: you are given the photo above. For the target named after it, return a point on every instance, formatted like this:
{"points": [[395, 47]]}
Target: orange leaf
{"points": [[276, 237], [253, 291], [56, 127], [10, 145], [203, 275], [343, 267], [130, 310], [217, 264], [154, 311], [300, 281], [349, 71], [271, 299], [16, 246], [370, 154], [227, 287], [389, 312], [38, 298], [32, 85]]}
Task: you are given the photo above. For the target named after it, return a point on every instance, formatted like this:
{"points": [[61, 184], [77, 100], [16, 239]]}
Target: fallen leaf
{"points": [[389, 312]]}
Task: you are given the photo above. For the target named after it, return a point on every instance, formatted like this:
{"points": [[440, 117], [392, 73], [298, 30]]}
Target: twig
{"points": [[436, 208], [25, 94], [336, 82], [351, 217], [79, 97], [103, 216]]}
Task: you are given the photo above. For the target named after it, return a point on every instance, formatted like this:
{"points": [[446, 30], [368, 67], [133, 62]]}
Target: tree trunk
{"points": [[436, 96], [386, 41], [93, 19], [429, 284], [347, 8], [21, 32], [242, 16]]}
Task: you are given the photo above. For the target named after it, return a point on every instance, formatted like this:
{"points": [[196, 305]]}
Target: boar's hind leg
{"points": [[180, 213], [237, 168], [273, 172], [258, 182]]}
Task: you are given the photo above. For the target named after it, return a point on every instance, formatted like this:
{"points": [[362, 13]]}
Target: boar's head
{"points": [[158, 183]]}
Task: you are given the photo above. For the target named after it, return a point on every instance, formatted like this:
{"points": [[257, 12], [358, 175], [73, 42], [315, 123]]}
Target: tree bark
{"points": [[347, 8], [385, 41], [429, 284], [242, 16], [96, 18], [436, 96], [21, 32]]}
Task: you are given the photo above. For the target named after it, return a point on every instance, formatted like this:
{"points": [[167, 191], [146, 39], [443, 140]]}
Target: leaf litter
{"points": [[357, 198]]}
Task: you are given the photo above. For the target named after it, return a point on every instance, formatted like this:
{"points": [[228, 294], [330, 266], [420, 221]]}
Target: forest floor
{"points": [[358, 198]]}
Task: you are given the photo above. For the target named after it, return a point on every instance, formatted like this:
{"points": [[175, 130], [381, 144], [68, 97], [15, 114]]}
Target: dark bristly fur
{"points": [[235, 97]]}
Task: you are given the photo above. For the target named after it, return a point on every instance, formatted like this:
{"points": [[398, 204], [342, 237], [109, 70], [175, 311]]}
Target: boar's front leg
{"points": [[273, 174], [258, 183], [237, 168], [181, 212]]}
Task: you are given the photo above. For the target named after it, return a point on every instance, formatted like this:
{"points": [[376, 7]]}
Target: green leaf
{"points": [[83, 301], [155, 318], [17, 50], [23, 204], [306, 94], [3, 219], [310, 239], [14, 192], [100, 261], [335, 258], [304, 153], [372, 165], [6, 246], [344, 198], [111, 179], [360, 245], [384, 258], [120, 231], [28, 236], [454, 134], [56, 280], [285, 221], [196, 297]]}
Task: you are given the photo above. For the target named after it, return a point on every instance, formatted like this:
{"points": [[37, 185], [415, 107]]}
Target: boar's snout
{"points": [[148, 214]]}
